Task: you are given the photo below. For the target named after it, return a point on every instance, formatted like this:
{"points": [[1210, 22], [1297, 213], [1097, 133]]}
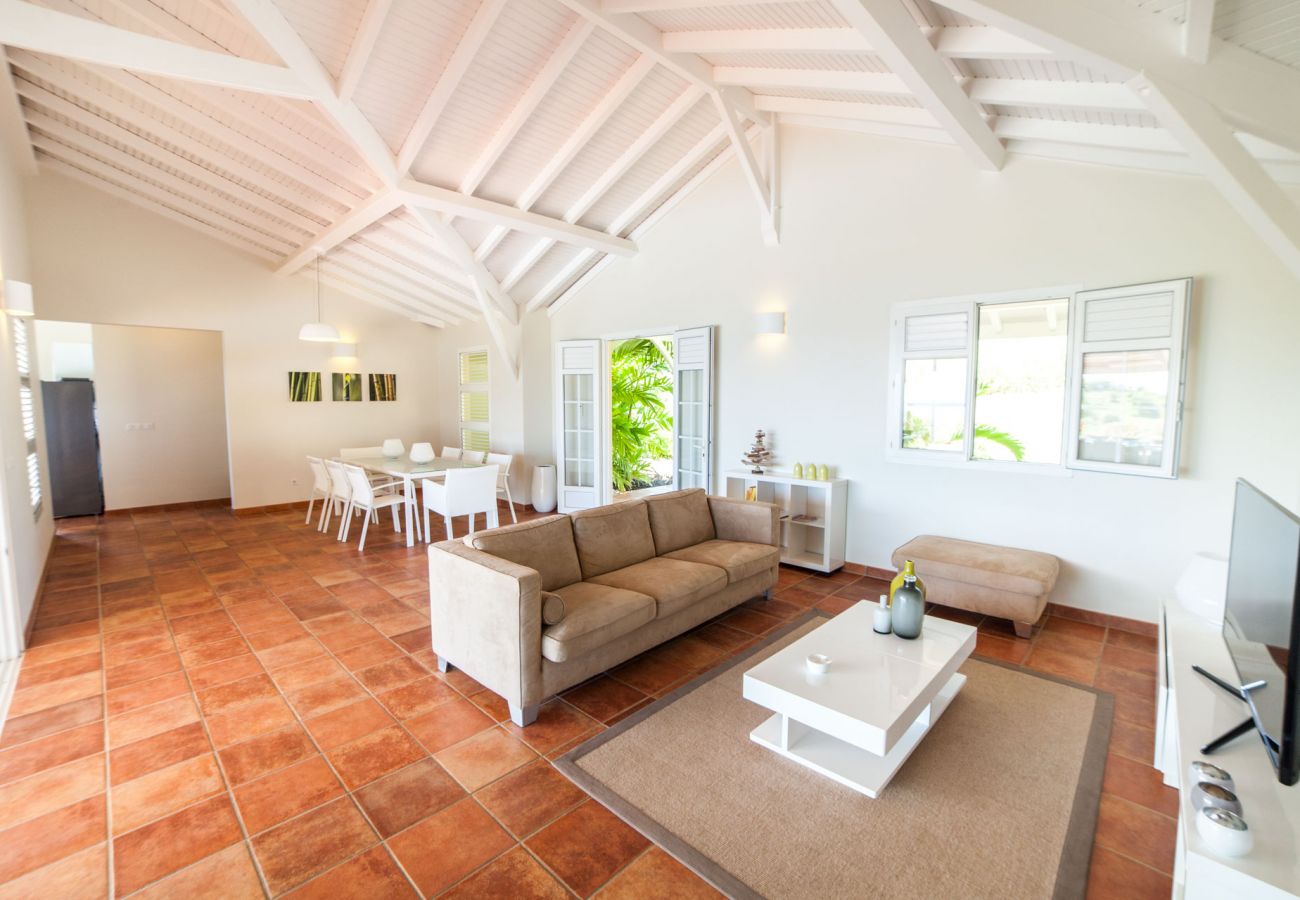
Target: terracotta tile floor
{"points": [[238, 706]]}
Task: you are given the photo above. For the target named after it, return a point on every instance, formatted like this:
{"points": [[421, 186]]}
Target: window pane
{"points": [[1124, 397], [1020, 381], [474, 367], [474, 440], [934, 404]]}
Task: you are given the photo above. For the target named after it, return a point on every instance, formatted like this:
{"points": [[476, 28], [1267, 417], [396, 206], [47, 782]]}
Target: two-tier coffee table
{"points": [[859, 721]]}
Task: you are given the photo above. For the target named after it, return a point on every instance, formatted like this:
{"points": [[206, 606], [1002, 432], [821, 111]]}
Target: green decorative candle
{"points": [[823, 473], [798, 470]]}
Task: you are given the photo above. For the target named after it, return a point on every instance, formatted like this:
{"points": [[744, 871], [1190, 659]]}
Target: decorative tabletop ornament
{"points": [[823, 473], [798, 470], [758, 453]]}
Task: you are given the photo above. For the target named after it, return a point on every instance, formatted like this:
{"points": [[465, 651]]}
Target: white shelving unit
{"points": [[813, 514]]}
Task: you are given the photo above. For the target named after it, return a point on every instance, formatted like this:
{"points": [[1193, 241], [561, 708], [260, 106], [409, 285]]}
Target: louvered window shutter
{"points": [[27, 405], [474, 379], [1127, 375]]}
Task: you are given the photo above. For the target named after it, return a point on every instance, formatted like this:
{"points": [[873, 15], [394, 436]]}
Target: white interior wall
{"points": [[162, 419], [28, 538], [99, 259], [868, 221], [65, 350]]}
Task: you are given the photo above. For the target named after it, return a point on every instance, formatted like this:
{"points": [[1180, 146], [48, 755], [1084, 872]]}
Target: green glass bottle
{"points": [[908, 610], [909, 568]]}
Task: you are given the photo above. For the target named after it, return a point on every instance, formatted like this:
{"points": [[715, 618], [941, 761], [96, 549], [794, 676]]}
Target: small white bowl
{"points": [[1200, 771], [1225, 832], [818, 663]]}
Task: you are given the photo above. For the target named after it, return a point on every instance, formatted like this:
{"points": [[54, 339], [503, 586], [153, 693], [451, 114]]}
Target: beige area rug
{"points": [[999, 800]]}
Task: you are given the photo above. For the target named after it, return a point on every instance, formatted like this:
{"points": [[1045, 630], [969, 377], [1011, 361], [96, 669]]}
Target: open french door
{"points": [[693, 408], [579, 426]]}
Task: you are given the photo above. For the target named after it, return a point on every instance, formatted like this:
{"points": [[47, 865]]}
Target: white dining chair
{"points": [[320, 485], [503, 461], [473, 456], [465, 492], [369, 500], [449, 453], [340, 495]]}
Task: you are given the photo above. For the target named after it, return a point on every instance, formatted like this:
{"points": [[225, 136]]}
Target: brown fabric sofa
{"points": [[529, 610]]}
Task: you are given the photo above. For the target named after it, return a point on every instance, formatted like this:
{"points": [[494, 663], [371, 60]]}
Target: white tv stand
{"points": [[1192, 711]]}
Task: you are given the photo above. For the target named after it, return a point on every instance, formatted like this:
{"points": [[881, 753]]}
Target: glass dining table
{"points": [[409, 473]]}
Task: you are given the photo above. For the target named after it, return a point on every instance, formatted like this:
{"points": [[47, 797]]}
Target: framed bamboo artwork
{"points": [[304, 387], [347, 386], [383, 387]]}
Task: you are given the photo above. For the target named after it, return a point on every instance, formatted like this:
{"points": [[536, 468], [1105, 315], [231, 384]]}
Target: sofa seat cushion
{"points": [[679, 519], [594, 615], [739, 559], [674, 583], [542, 544], [611, 537]]}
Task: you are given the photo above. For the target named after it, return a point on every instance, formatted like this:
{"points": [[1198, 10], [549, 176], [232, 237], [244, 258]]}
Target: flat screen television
{"points": [[1261, 621]]}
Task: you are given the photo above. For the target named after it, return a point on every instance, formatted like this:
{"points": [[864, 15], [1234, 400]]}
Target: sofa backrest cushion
{"points": [[542, 544], [680, 519], [612, 537]]}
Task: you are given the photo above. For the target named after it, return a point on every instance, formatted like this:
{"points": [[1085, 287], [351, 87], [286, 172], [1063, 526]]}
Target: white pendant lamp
{"points": [[318, 331]]}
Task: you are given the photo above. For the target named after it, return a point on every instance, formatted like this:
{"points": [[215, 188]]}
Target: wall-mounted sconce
{"points": [[18, 299], [769, 323], [345, 351]]}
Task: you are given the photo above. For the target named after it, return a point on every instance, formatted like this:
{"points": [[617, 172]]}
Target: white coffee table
{"points": [[860, 721]]}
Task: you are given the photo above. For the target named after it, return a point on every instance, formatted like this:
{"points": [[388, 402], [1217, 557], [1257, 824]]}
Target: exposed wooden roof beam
{"points": [[1198, 29], [43, 30], [461, 59], [429, 197], [890, 28], [761, 182], [363, 45], [954, 42], [361, 216], [13, 129], [640, 6], [1253, 93], [1239, 177], [870, 112], [485, 286]]}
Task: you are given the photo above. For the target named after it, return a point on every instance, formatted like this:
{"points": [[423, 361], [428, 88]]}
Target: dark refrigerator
{"points": [[72, 442]]}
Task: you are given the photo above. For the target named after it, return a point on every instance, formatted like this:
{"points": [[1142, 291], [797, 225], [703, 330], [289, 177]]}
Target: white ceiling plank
{"points": [[485, 286], [13, 130], [640, 6], [99, 183], [867, 112], [767, 40], [816, 79], [526, 105], [382, 278], [665, 182], [411, 242], [461, 58], [43, 30], [142, 182], [270, 24], [1213, 146], [592, 122], [362, 216], [889, 27], [359, 288], [430, 197], [1198, 29], [166, 153], [1073, 94], [455, 296], [308, 187], [363, 45], [864, 126], [644, 37], [1127, 137], [1253, 93], [759, 185]]}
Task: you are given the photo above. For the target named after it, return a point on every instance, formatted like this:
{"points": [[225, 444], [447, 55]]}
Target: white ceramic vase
{"points": [[543, 488], [394, 448], [422, 453]]}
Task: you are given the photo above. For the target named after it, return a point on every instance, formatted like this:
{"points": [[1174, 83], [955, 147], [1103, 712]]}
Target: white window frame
{"points": [[475, 387], [970, 304], [1175, 342], [23, 363]]}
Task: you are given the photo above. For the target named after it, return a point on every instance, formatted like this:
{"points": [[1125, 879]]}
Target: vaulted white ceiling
{"points": [[461, 158]]}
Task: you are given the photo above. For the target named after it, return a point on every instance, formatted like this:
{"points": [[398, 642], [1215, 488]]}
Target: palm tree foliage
{"points": [[641, 421]]}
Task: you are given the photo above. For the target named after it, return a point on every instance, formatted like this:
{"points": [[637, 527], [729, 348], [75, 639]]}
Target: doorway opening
{"points": [[641, 416]]}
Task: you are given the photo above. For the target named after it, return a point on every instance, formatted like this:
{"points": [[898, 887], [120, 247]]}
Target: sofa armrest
{"points": [[485, 613], [746, 520]]}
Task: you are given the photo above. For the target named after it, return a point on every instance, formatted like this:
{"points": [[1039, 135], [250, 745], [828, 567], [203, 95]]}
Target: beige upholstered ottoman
{"points": [[983, 578]]}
